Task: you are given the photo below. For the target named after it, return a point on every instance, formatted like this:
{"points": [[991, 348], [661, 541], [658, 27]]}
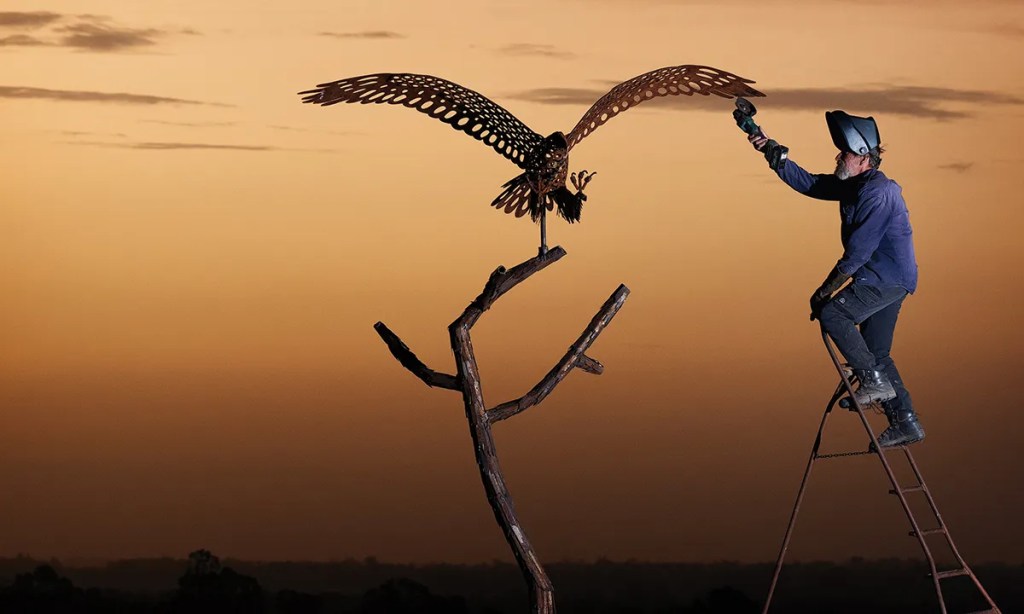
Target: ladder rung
{"points": [[918, 488], [929, 531], [952, 573], [986, 612]]}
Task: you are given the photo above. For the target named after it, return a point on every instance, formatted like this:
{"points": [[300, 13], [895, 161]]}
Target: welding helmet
{"points": [[857, 135]]}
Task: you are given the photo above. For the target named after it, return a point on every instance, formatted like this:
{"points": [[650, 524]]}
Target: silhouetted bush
{"points": [[207, 588], [294, 602], [404, 596], [887, 586], [42, 590], [726, 600]]}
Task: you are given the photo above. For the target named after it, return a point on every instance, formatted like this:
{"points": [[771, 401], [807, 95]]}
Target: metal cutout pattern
{"points": [[545, 160], [671, 81], [516, 197], [460, 107]]}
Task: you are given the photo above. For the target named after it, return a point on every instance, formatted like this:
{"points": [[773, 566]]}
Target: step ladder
{"points": [[845, 392]]}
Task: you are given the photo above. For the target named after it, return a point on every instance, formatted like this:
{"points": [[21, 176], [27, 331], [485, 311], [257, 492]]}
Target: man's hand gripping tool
{"points": [[773, 152]]}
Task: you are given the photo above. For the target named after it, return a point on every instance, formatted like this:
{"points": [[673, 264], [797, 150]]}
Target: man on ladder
{"points": [[878, 256]]}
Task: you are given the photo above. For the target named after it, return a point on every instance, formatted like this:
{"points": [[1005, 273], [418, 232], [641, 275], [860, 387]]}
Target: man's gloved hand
{"points": [[774, 153], [818, 301], [823, 294]]}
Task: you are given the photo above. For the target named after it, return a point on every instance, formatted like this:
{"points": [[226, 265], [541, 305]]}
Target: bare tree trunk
{"points": [[467, 380]]}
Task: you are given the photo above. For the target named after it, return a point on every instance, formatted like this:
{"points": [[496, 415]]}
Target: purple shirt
{"points": [[877, 239]]}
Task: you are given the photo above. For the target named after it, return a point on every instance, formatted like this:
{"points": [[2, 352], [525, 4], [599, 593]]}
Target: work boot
{"points": [[904, 428], [874, 386]]}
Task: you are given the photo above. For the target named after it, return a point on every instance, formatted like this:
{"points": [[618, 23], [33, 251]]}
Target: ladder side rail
{"points": [[846, 387], [896, 488], [799, 498], [945, 531]]}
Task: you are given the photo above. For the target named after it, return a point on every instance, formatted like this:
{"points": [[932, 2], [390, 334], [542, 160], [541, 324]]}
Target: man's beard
{"points": [[842, 172]]}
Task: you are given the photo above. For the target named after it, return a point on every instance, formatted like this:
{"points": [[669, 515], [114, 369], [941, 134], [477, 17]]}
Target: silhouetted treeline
{"points": [[202, 584]]}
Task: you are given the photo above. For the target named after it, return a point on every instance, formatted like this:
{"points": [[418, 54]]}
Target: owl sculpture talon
{"points": [[580, 181]]}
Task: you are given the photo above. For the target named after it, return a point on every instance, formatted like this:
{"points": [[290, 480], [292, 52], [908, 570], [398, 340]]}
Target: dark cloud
{"points": [[87, 133], [915, 101], [103, 37], [1012, 30], [161, 146], [39, 93], [222, 124], [316, 130], [150, 145], [959, 167], [22, 40], [85, 32], [188, 124], [171, 146], [365, 34], [525, 49], [34, 19], [910, 100], [560, 95]]}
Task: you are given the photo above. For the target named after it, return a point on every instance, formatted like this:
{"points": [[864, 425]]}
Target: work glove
{"points": [[818, 302], [774, 153], [823, 294]]}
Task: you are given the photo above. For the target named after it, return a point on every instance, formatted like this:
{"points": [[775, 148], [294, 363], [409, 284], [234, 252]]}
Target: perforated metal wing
{"points": [[461, 108], [670, 81]]}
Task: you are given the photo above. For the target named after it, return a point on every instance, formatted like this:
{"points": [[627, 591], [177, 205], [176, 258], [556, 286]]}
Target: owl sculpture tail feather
{"points": [[570, 205], [518, 198]]}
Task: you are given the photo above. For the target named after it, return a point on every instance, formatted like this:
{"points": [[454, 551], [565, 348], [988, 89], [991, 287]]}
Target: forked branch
{"points": [[467, 380], [575, 357]]}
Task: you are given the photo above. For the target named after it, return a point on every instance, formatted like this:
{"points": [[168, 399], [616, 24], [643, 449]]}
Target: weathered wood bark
{"points": [[467, 380]]}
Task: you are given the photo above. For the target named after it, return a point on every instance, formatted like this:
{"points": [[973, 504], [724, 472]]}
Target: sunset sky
{"points": [[192, 262]]}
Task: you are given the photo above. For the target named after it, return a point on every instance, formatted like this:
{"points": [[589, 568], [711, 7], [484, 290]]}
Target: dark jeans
{"points": [[875, 310]]}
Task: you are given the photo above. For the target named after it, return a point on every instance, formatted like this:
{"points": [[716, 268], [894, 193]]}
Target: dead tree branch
{"points": [[467, 380], [575, 357], [589, 365], [409, 360], [501, 281]]}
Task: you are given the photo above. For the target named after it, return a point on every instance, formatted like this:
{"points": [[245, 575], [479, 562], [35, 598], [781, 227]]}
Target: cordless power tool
{"points": [[773, 152]]}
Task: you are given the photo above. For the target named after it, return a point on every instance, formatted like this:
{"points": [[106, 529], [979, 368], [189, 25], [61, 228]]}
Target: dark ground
{"points": [[203, 584]]}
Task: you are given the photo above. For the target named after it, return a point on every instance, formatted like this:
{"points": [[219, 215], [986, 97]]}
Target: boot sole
{"points": [[902, 442]]}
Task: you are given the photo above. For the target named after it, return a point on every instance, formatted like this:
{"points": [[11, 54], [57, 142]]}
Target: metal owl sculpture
{"points": [[544, 160]]}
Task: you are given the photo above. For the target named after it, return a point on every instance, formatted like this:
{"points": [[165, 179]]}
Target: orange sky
{"points": [[192, 262]]}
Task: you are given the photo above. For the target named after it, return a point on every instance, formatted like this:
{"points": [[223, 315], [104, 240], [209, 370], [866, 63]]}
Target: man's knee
{"points": [[833, 317]]}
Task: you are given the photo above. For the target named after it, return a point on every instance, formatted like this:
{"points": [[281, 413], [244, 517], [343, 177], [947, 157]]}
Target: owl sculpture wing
{"points": [[459, 107], [670, 81]]}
